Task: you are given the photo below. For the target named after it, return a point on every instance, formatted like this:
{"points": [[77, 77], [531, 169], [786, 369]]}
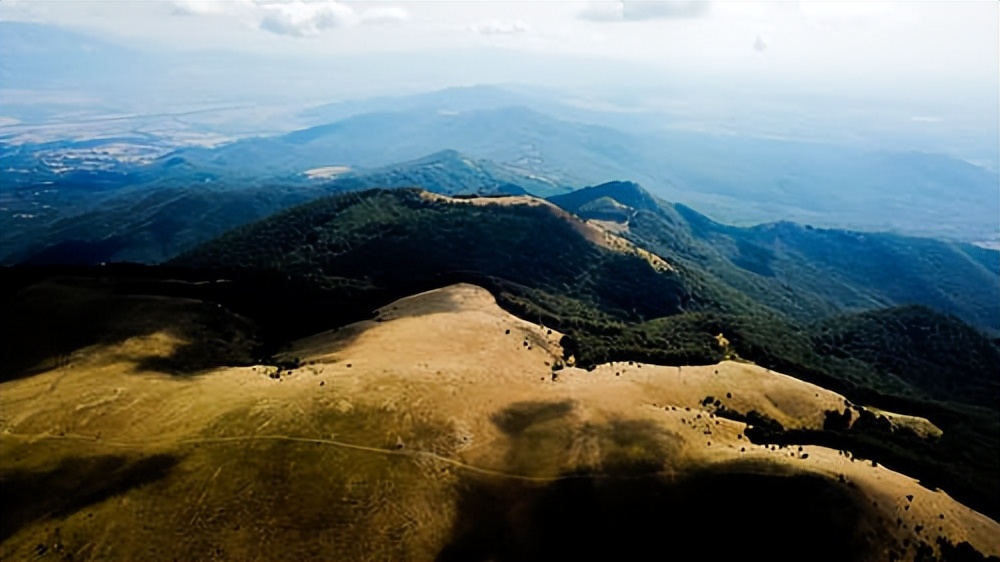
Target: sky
{"points": [[936, 62], [869, 43]]}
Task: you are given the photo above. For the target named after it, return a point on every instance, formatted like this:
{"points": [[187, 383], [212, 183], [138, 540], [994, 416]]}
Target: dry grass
{"points": [[364, 451], [597, 232]]}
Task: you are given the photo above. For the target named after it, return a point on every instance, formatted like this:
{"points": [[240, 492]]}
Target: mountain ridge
{"points": [[330, 262], [850, 271], [739, 180]]}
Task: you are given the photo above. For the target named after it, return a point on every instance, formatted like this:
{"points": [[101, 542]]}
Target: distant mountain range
{"points": [[449, 172], [736, 179]]}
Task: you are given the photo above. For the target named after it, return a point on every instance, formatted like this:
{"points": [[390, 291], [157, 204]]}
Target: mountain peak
{"points": [[597, 199], [447, 156], [627, 193]]}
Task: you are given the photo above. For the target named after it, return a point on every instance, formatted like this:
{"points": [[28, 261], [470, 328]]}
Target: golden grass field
{"points": [[439, 430]]}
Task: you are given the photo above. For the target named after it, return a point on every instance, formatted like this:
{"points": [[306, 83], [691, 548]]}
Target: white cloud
{"points": [[200, 7], [930, 51], [295, 18], [383, 15], [641, 10], [501, 27], [301, 19]]}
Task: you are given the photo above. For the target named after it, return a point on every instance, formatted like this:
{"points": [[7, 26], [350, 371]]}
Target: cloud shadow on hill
{"points": [[75, 483], [628, 507]]}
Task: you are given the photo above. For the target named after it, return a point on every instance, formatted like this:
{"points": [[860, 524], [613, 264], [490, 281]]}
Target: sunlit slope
{"points": [[440, 430]]}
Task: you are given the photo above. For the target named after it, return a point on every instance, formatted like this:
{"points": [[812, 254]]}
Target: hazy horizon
{"points": [[912, 75]]}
